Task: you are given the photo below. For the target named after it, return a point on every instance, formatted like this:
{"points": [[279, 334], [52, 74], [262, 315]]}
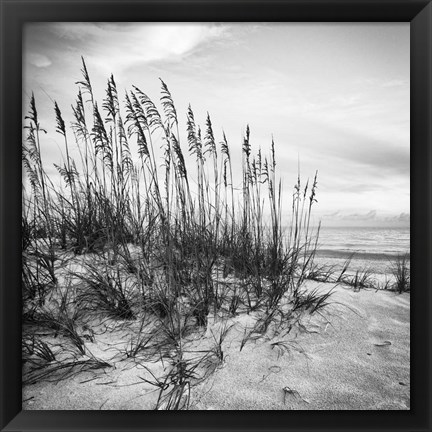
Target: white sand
{"points": [[356, 356]]}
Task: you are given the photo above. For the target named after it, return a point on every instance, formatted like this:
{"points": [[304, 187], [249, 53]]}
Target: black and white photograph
{"points": [[216, 216]]}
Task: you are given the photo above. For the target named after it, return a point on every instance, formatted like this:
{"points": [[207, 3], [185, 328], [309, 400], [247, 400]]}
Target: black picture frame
{"points": [[14, 13]]}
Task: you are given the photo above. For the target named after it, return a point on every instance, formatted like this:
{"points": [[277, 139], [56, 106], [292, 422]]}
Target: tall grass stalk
{"points": [[177, 229]]}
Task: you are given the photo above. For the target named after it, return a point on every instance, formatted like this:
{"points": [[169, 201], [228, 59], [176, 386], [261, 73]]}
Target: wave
{"points": [[345, 254]]}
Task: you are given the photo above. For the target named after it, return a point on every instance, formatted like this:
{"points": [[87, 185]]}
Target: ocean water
{"points": [[372, 248]]}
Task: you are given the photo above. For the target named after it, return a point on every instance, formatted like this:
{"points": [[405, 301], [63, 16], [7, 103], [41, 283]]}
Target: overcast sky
{"points": [[335, 97]]}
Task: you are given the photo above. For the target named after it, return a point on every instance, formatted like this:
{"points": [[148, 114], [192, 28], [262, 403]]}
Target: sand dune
{"points": [[354, 356]]}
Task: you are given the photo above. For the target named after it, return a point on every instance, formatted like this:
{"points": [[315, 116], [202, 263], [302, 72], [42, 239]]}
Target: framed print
{"points": [[210, 207]]}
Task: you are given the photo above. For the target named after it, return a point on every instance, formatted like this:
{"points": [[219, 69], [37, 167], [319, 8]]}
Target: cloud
{"points": [[335, 214], [371, 218], [360, 154], [362, 216], [39, 60], [402, 217], [127, 44], [341, 215]]}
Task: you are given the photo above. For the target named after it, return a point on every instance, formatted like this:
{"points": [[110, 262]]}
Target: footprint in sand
{"points": [[383, 343]]}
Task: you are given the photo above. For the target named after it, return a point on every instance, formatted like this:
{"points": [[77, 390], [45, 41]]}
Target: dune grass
{"points": [[397, 277], [400, 270], [166, 241]]}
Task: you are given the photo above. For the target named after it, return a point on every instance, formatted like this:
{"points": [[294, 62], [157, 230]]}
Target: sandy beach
{"points": [[170, 263], [355, 355]]}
